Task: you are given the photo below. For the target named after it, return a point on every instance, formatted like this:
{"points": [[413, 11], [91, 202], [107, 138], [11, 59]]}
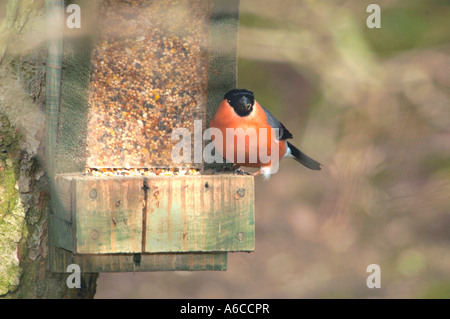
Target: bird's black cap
{"points": [[238, 93], [241, 100]]}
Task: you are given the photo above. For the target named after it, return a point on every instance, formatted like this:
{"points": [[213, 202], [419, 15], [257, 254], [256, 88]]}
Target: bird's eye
{"points": [[229, 101]]}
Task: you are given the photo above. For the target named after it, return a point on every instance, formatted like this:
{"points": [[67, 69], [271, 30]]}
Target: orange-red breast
{"points": [[239, 109]]}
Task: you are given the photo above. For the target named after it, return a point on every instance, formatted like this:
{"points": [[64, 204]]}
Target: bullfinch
{"points": [[243, 115]]}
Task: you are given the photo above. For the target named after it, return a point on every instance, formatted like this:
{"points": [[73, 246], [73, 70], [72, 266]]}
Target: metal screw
{"points": [[95, 234], [137, 259], [118, 203], [240, 236], [93, 194], [240, 192]]}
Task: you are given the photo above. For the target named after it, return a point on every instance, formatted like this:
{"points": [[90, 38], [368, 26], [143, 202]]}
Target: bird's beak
{"points": [[245, 103]]}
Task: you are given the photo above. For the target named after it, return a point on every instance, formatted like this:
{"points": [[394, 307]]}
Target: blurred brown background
{"points": [[373, 106]]}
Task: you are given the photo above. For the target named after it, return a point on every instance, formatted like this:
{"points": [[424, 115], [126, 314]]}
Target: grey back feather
{"points": [[283, 133]]}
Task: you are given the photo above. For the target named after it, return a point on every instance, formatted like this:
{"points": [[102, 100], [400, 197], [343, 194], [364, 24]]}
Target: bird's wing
{"points": [[283, 133]]}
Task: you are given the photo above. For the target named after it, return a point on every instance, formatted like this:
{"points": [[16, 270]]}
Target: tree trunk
{"points": [[24, 192]]}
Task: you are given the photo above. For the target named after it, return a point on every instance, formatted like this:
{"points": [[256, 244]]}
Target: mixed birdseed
{"points": [[148, 77], [100, 172]]}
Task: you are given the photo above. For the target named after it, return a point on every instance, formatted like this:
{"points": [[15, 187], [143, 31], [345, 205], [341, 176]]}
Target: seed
{"points": [[149, 68]]}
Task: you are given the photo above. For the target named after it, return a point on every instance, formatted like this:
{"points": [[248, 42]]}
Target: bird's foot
{"points": [[235, 167], [241, 172], [229, 168]]}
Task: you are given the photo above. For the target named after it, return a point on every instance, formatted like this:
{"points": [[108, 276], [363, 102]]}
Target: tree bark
{"points": [[24, 204]]}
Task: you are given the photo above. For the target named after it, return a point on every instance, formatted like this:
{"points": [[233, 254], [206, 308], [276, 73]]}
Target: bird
{"points": [[240, 110]]}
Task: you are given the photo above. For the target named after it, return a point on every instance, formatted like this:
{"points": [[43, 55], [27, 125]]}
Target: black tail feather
{"points": [[302, 158]]}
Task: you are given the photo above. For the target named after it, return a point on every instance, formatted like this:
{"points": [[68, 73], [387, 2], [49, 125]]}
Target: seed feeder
{"points": [[117, 89]]}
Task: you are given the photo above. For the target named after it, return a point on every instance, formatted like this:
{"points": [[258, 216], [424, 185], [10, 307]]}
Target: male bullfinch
{"points": [[240, 110]]}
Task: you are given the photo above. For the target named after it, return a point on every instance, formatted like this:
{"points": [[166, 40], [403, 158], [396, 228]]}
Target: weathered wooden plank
{"points": [[200, 214], [62, 202], [108, 214], [60, 218], [183, 214], [60, 234], [128, 262]]}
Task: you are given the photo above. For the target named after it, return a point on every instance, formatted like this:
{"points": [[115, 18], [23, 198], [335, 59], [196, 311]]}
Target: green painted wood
{"points": [[127, 262], [60, 218], [62, 233], [200, 214], [174, 214], [108, 214], [63, 202], [191, 222]]}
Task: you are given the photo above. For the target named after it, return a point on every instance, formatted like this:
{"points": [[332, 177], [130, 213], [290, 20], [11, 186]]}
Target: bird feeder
{"points": [[117, 88]]}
